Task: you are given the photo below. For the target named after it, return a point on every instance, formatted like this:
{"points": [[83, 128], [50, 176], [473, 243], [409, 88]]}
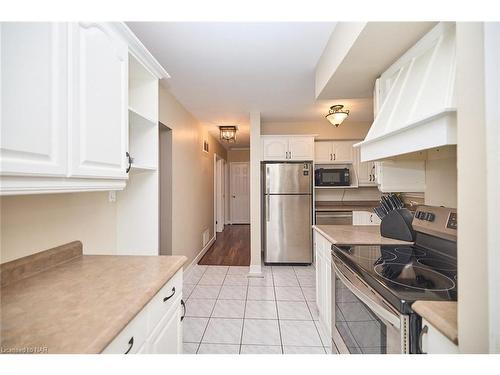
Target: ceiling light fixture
{"points": [[228, 133], [336, 115]]}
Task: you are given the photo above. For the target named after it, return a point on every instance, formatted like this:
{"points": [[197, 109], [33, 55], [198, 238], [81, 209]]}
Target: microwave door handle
{"points": [[377, 307]]}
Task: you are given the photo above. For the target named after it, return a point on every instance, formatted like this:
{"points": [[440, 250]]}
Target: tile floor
{"points": [[229, 313]]}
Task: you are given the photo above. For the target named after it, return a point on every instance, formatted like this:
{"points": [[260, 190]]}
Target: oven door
{"points": [[363, 322]]}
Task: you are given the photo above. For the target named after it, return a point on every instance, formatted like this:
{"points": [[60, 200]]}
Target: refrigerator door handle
{"points": [[267, 179], [268, 216]]}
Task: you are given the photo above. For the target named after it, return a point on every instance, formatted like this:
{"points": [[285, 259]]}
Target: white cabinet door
{"points": [[274, 148], [365, 218], [99, 102], [301, 148], [434, 342], [167, 338], [323, 152], [33, 94], [343, 151]]}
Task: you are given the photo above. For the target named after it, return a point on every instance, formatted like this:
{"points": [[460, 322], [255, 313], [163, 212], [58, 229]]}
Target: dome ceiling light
{"points": [[336, 115]]}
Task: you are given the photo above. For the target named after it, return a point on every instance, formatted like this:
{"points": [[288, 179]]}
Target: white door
{"points": [[274, 148], [343, 151], [167, 339], [99, 105], [34, 98], [323, 152], [240, 193], [301, 148]]}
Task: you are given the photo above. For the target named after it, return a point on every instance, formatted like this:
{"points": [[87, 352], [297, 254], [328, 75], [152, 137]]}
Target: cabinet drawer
{"points": [[132, 337], [164, 300]]}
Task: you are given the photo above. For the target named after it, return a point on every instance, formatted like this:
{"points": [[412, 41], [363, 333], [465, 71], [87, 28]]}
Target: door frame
{"points": [[218, 168], [231, 189]]}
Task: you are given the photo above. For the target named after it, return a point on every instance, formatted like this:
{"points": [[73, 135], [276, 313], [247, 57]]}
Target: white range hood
{"points": [[417, 99]]}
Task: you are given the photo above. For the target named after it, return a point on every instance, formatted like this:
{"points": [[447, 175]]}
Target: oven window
{"points": [[361, 330]]}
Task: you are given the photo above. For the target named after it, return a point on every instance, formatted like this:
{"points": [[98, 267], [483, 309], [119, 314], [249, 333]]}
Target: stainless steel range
{"points": [[375, 286]]}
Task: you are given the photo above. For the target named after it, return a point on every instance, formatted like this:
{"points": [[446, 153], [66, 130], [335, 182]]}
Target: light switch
{"points": [[112, 196]]}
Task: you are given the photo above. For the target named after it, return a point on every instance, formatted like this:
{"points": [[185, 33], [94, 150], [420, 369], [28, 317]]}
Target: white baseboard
{"points": [[255, 270], [199, 256]]}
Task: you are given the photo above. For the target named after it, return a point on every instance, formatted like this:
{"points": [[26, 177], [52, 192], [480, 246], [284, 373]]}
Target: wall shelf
{"points": [[136, 118]]}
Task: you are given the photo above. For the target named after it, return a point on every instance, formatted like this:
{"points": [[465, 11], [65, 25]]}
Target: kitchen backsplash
{"points": [[359, 194]]}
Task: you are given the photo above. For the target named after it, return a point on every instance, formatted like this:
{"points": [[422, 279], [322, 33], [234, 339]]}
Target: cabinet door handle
{"points": [[131, 344], [334, 157], [130, 161], [424, 331], [331, 157], [165, 299], [184, 310]]}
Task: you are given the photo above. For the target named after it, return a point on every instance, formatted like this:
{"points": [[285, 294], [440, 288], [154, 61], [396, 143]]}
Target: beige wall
{"points": [[323, 129], [238, 155], [32, 223], [192, 177]]}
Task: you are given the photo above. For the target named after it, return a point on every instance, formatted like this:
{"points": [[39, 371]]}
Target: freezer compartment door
{"points": [[288, 178], [288, 236]]}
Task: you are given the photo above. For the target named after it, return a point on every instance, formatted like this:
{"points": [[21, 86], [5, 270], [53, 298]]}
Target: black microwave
{"points": [[332, 177]]}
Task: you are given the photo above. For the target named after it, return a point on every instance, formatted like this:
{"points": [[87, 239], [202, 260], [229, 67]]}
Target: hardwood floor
{"points": [[232, 247]]}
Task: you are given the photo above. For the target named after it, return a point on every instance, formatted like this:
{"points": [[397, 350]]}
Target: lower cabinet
{"points": [[322, 248], [434, 342], [365, 218], [157, 328], [167, 338]]}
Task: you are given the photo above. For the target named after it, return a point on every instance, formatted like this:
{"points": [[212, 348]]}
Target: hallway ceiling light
{"points": [[336, 115], [228, 133]]}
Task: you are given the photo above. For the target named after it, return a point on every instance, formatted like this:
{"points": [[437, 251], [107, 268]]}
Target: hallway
{"points": [[231, 248]]}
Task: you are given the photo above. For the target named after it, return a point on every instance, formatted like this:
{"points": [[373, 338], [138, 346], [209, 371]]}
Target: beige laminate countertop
{"points": [[356, 235], [441, 314], [79, 306]]}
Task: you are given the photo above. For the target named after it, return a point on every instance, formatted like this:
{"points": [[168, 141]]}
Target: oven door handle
{"points": [[377, 307]]}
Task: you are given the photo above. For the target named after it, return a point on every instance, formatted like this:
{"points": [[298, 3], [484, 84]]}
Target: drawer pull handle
{"points": [[170, 296], [131, 343], [184, 308]]}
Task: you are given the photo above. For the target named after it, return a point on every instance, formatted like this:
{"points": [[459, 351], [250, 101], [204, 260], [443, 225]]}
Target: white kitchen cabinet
{"points": [[167, 338], [98, 112], [34, 99], [323, 152], [65, 116], [434, 342], [339, 152], [343, 151], [282, 148], [157, 328], [274, 148], [365, 218], [322, 249], [366, 171]]}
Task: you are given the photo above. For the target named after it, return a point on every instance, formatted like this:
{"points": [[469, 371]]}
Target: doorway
{"points": [[165, 189], [240, 192]]}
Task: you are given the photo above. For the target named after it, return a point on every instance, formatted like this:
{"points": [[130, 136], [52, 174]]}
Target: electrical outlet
{"points": [[112, 196]]}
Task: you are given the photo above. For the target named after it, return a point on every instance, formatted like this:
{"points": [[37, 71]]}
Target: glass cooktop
{"points": [[403, 274]]}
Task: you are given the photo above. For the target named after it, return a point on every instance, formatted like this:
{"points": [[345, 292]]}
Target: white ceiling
{"points": [[222, 71]]}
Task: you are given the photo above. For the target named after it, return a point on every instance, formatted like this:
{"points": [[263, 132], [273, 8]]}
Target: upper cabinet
{"points": [[64, 100], [98, 113], [340, 152], [282, 148], [34, 99]]}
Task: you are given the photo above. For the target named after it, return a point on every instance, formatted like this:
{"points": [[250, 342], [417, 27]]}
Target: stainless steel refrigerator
{"points": [[287, 212]]}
